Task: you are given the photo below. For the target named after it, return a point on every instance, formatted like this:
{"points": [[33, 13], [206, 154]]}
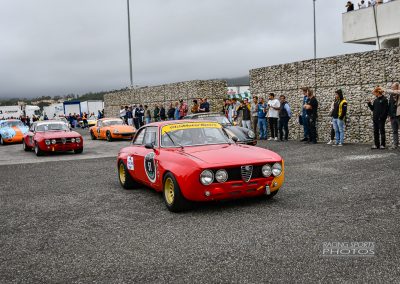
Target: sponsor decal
{"points": [[189, 125], [130, 164], [150, 167]]}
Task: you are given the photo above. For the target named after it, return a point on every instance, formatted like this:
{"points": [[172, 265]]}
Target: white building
{"points": [[378, 25]]}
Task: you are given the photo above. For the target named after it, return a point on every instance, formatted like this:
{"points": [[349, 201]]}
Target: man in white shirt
{"points": [[273, 115], [362, 5]]}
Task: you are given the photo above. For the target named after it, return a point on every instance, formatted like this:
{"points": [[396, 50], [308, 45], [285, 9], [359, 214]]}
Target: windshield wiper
{"points": [[170, 138]]}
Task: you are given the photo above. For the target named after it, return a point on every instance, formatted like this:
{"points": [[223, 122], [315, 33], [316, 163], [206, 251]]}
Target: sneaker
{"points": [[276, 138], [340, 144], [304, 140], [270, 138], [383, 147], [330, 142], [334, 144], [374, 147]]}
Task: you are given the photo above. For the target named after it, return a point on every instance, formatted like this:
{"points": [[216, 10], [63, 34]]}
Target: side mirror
{"points": [[149, 146], [235, 139]]}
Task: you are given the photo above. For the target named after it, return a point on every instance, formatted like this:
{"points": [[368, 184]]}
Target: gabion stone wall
{"points": [[213, 90], [356, 74]]}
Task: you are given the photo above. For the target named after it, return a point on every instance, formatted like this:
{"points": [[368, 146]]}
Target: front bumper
{"points": [[62, 147], [15, 139], [234, 189], [125, 135]]}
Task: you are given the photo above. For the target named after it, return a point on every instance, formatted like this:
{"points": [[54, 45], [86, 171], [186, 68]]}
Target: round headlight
{"points": [[251, 134], [73, 140], [277, 169], [221, 176], [116, 131], [266, 170], [53, 141], [47, 142], [207, 177], [78, 140]]}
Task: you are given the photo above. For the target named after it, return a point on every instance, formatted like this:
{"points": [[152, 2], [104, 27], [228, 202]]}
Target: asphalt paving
{"points": [[69, 221]]}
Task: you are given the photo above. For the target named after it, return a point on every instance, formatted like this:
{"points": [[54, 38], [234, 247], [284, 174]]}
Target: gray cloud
{"points": [[56, 47]]}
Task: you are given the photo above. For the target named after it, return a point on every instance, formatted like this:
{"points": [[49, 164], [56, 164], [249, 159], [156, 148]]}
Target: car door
{"points": [[136, 159], [98, 129], [30, 136], [147, 158]]}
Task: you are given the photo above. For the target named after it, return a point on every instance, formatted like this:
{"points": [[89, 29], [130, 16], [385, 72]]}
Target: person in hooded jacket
{"points": [[339, 113]]}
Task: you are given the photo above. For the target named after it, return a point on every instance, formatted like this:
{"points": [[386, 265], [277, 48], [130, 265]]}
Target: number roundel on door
{"points": [[150, 166]]}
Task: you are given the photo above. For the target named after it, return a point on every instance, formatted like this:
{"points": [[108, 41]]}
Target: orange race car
{"points": [[110, 129], [12, 131]]}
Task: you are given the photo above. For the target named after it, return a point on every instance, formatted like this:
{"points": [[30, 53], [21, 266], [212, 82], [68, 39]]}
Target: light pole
{"points": [[130, 45], [315, 33]]}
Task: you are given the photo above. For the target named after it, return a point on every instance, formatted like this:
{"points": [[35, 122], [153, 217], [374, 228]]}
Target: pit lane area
{"points": [[65, 218]]}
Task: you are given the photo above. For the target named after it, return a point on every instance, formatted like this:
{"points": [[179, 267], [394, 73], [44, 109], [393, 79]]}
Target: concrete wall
{"points": [[214, 90], [356, 74], [359, 25]]}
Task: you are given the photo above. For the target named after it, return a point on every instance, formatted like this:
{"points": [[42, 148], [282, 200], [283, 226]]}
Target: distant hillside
{"points": [[238, 81]]}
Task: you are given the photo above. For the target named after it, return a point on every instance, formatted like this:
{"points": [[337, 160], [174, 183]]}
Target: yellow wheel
{"points": [[172, 194], [169, 191], [125, 178], [122, 175]]}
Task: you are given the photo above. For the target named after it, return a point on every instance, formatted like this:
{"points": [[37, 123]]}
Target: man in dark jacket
{"points": [[156, 114], [162, 113], [311, 107], [379, 110]]}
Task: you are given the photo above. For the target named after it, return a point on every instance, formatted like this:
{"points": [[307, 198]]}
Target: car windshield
{"points": [[113, 122], [14, 123], [192, 134], [217, 118], [44, 127]]}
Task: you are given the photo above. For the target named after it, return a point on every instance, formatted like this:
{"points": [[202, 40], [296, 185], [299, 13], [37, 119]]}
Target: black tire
{"points": [[38, 152], [2, 141], [125, 178], [92, 135], [173, 197], [25, 147], [108, 136], [78, 151], [268, 197]]}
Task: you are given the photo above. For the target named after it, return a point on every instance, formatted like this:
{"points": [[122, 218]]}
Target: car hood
{"points": [[239, 132], [123, 128], [58, 134], [233, 154]]}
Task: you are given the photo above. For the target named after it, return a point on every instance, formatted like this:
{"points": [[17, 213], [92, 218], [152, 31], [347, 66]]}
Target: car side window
{"points": [[150, 137], [99, 124], [139, 137]]}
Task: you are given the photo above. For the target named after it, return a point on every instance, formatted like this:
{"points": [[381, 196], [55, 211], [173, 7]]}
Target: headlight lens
{"points": [[116, 131], [221, 176], [73, 140], [251, 134], [277, 169], [53, 141], [78, 140], [266, 170], [47, 142], [207, 177]]}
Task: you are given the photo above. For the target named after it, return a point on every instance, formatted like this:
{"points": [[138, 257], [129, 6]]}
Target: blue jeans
{"points": [[338, 125], [262, 125], [148, 120], [305, 126]]}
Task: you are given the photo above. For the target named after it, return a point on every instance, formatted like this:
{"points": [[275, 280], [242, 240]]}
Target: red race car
{"points": [[52, 136], [196, 161]]}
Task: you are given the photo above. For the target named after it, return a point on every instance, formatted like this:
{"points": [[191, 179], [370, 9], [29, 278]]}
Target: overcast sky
{"points": [[56, 47]]}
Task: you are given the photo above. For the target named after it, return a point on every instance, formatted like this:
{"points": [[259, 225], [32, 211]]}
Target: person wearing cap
{"points": [[338, 117], [380, 109]]}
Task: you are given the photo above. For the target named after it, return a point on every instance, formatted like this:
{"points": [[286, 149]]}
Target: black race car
{"points": [[244, 135]]}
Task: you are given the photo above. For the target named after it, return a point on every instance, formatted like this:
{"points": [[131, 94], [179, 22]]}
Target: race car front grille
{"points": [[63, 140], [246, 172], [235, 174]]}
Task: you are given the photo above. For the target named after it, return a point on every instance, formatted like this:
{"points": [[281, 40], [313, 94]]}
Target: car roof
{"points": [[110, 118], [169, 122], [49, 121], [205, 114]]}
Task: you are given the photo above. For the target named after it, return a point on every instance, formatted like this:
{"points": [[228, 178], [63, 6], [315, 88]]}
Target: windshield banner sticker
{"points": [[190, 125]]}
